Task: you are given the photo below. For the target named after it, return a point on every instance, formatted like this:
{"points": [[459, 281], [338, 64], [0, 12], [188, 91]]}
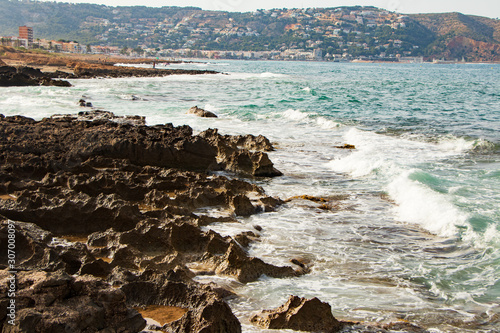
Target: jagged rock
{"points": [[236, 264], [31, 243], [63, 142], [201, 112], [299, 314], [78, 214], [206, 312], [250, 142], [240, 160], [98, 195], [57, 302], [242, 206]]}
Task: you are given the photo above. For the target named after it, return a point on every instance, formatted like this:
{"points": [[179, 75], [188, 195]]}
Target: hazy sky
{"points": [[489, 8]]}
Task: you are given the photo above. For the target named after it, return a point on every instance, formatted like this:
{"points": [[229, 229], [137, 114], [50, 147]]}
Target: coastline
{"points": [[112, 216], [30, 68], [122, 235], [318, 219]]}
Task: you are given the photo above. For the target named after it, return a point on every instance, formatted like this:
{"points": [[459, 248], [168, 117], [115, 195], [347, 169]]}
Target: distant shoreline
{"points": [[67, 62]]}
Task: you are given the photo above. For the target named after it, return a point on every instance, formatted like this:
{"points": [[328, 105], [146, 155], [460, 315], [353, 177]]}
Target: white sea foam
{"points": [[212, 108], [326, 123], [366, 158], [269, 74], [295, 115], [455, 145], [418, 204]]}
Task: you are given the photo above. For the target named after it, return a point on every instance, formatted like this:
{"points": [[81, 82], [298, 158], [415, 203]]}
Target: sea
{"points": [[411, 233]]}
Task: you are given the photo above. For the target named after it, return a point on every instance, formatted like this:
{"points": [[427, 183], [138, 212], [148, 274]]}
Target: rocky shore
{"points": [[107, 214], [28, 76], [101, 226]]}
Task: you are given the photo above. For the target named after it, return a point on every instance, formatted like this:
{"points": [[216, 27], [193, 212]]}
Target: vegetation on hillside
{"points": [[354, 31]]}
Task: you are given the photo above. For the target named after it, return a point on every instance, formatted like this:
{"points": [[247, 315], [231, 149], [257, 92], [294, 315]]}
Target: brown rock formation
{"points": [[201, 112], [299, 314], [85, 70], [57, 302], [252, 163], [26, 76], [115, 202]]}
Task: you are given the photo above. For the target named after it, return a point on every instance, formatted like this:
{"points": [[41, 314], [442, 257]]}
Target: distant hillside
{"points": [[349, 32], [458, 35]]}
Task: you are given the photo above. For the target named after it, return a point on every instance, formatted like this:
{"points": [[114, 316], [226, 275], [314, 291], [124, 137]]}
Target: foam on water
{"points": [[418, 217], [295, 115], [418, 204]]}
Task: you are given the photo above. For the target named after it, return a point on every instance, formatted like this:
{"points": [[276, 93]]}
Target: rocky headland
{"points": [[34, 69], [29, 76]]}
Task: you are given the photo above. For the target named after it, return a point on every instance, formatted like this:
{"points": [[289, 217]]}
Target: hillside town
{"points": [[308, 29], [313, 34]]}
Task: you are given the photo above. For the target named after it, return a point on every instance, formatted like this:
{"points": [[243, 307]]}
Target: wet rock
{"points": [[346, 146], [83, 103], [206, 311], [236, 264], [250, 142], [242, 206], [56, 302], [257, 227], [131, 193], [246, 238], [201, 112], [299, 314], [238, 160]]}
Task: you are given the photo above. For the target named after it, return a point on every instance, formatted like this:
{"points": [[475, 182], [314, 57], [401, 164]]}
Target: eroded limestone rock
{"points": [[299, 314]]}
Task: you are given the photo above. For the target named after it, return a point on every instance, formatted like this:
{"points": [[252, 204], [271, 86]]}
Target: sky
{"points": [[488, 8]]}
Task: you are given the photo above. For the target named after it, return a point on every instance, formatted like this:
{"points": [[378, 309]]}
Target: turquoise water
{"points": [[415, 234]]}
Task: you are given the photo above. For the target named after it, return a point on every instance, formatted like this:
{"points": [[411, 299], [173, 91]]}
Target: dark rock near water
{"points": [[83, 103], [58, 302], [201, 112], [85, 71], [233, 158], [242, 206], [206, 311], [27, 76], [99, 200], [346, 146], [299, 314]]}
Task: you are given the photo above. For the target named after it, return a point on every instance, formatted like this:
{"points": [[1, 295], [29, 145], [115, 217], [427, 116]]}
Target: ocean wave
{"points": [[269, 74], [295, 115], [418, 204], [312, 119]]}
